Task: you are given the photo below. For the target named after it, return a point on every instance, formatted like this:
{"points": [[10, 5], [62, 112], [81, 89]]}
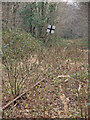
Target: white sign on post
{"points": [[51, 29]]}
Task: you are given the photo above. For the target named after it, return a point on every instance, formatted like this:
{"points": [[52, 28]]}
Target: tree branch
{"points": [[9, 103]]}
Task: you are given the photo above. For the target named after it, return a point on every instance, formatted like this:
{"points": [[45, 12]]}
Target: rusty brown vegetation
{"points": [[44, 77], [62, 93]]}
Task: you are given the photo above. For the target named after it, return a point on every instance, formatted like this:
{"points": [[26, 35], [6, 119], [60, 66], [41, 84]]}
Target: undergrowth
{"points": [[27, 61]]}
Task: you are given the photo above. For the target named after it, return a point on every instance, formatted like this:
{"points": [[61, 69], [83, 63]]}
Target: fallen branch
{"points": [[9, 103], [61, 76], [68, 76]]}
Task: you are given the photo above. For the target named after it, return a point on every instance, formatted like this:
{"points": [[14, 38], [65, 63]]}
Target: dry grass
{"points": [[55, 97]]}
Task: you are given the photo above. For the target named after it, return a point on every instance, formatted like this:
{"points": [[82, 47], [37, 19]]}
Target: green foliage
{"points": [[36, 16], [18, 43], [52, 7], [17, 48]]}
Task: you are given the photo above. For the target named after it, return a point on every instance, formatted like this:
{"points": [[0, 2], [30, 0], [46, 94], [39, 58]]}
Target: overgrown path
{"points": [[62, 93], [55, 96]]}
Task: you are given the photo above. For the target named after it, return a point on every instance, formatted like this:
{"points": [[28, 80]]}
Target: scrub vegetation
{"points": [[43, 76]]}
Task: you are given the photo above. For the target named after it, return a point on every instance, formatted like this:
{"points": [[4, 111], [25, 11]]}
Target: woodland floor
{"points": [[63, 92]]}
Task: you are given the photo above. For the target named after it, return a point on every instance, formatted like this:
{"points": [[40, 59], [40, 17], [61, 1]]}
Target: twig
{"points": [[9, 103], [61, 76]]}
